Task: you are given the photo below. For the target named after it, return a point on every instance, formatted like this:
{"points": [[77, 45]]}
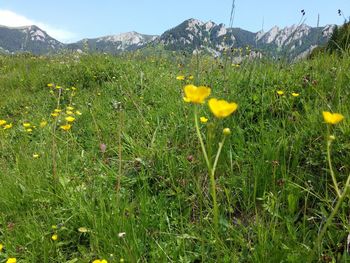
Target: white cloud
{"points": [[11, 19]]}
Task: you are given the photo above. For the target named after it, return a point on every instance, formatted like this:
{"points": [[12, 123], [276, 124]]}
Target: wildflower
{"points": [[29, 130], [26, 125], [57, 110], [100, 261], [280, 92], [203, 119], [332, 118], [122, 234], [50, 85], [2, 122], [196, 94], [78, 112], [69, 112], [73, 88], [1, 247], [54, 237], [70, 108], [54, 227], [66, 127], [98, 93], [181, 77], [43, 124], [58, 87], [54, 114], [222, 108], [295, 94], [226, 131], [70, 119], [11, 260], [331, 137], [35, 155], [83, 230], [8, 126], [190, 77]]}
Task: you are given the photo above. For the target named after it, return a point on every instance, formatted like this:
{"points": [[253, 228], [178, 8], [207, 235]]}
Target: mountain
{"points": [[27, 38], [115, 43], [191, 35]]}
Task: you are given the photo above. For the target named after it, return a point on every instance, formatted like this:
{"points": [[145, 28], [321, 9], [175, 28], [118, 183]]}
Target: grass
{"points": [[274, 188]]}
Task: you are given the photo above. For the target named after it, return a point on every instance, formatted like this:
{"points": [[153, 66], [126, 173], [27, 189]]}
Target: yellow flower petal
{"points": [[332, 118], [196, 94], [222, 108], [203, 119], [280, 92], [66, 127], [70, 119], [2, 122], [295, 94]]}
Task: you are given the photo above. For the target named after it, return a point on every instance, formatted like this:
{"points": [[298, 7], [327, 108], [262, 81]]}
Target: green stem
{"points": [[199, 135], [335, 183]]}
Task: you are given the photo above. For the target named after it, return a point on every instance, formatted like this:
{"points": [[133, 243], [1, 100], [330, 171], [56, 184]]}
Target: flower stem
{"points": [[335, 183]]}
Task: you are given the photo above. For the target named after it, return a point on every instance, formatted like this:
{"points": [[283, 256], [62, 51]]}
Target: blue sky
{"points": [[75, 19]]}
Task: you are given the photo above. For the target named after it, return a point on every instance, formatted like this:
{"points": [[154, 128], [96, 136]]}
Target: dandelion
{"points": [[26, 125], [2, 122], [222, 108], [226, 131], [280, 92], [203, 119], [295, 94], [66, 127], [43, 124], [11, 260], [332, 118], [181, 77], [35, 155], [196, 94], [8, 126], [54, 237], [70, 119]]}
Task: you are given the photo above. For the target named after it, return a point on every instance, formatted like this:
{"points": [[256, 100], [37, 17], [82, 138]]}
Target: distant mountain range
{"points": [[191, 35]]}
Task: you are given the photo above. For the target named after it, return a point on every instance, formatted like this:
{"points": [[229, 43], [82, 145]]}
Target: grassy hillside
{"points": [[128, 181]]}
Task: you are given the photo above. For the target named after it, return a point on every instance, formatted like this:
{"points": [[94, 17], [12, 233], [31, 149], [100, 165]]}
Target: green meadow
{"points": [[125, 178]]}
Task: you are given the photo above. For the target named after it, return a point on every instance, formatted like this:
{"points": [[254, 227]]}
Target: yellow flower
{"points": [[70, 108], [54, 114], [78, 112], [190, 77], [43, 124], [226, 131], [29, 130], [70, 119], [50, 85], [100, 261], [196, 94], [26, 125], [295, 94], [8, 126], [180, 77], [66, 127], [332, 118], [74, 88], [2, 122], [280, 92], [35, 155], [11, 260], [54, 237], [222, 108], [1, 247], [203, 119], [57, 110], [58, 87]]}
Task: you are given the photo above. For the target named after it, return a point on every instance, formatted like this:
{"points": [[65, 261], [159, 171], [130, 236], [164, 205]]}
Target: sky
{"points": [[72, 20]]}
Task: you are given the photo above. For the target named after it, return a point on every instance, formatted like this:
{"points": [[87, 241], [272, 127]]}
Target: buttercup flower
{"points": [[26, 125], [78, 112], [66, 127], [54, 237], [280, 92], [43, 124], [1, 247], [203, 119], [332, 118], [8, 126], [196, 94], [11, 260], [35, 155], [70, 119], [2, 122], [180, 77], [100, 261], [222, 108], [295, 94]]}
